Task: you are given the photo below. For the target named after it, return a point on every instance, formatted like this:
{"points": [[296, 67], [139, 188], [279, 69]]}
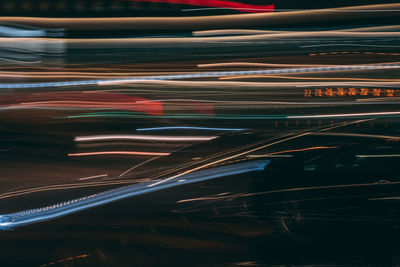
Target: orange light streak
{"points": [[137, 153]]}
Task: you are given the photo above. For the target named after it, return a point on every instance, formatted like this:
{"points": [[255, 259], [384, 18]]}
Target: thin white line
{"points": [[348, 45], [143, 137], [270, 156], [137, 165], [345, 115], [93, 177]]}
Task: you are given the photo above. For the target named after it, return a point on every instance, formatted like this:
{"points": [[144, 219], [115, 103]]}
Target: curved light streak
{"points": [[24, 217]]}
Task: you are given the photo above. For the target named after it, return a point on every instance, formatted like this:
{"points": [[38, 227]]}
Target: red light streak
{"points": [[218, 4]]}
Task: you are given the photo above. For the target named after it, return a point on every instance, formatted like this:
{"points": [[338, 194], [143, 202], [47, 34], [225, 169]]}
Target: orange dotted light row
{"points": [[341, 92]]}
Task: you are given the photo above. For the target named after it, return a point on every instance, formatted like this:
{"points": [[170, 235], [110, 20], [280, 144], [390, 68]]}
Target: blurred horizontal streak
{"points": [[232, 32], [376, 28], [270, 156], [355, 53], [379, 156], [188, 128], [58, 75], [79, 99], [127, 144], [143, 138], [249, 102], [348, 115], [21, 107], [211, 22], [16, 32], [78, 68], [376, 136], [309, 78], [222, 85], [255, 64], [279, 84], [389, 65], [251, 31], [135, 153], [217, 3], [357, 84], [240, 117], [92, 104], [373, 99], [165, 42], [362, 45], [288, 9]]}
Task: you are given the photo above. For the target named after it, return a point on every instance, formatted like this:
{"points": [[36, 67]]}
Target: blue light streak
{"points": [[17, 219], [189, 128]]}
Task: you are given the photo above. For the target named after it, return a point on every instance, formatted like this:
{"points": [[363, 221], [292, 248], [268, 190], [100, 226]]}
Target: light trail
{"points": [[143, 138], [292, 150], [222, 85], [138, 165], [252, 31], [119, 182], [344, 115], [258, 64], [270, 156], [93, 177], [136, 153], [232, 32], [378, 156], [189, 128], [240, 117], [392, 65], [340, 44], [208, 22], [217, 4], [296, 9], [250, 151], [226, 195], [24, 217], [228, 158], [378, 136], [309, 78]]}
